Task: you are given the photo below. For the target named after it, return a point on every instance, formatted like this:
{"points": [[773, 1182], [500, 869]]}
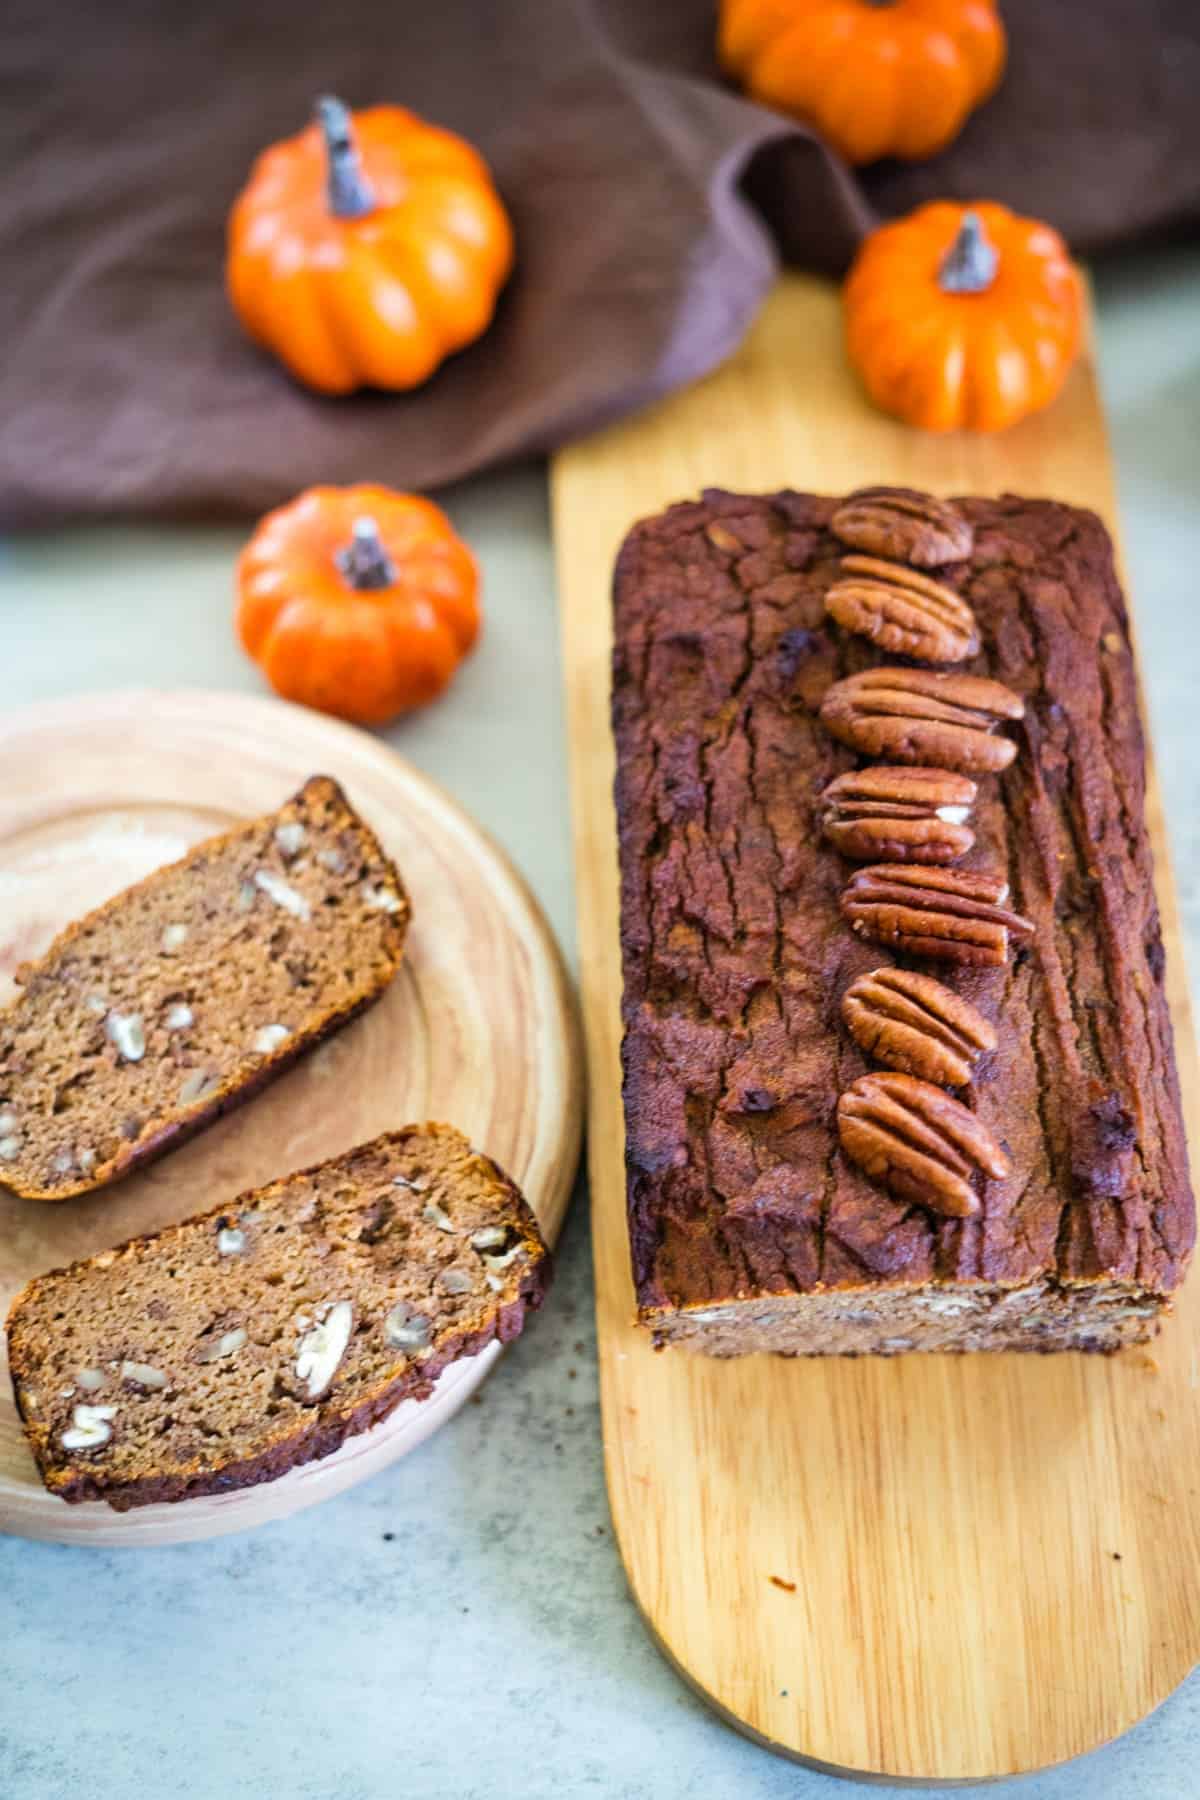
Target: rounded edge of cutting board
{"points": [[867, 1777], [666, 1598], [1057, 1604], [96, 791]]}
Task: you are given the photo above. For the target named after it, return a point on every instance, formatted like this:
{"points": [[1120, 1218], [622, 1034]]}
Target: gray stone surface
{"points": [[460, 1626]]}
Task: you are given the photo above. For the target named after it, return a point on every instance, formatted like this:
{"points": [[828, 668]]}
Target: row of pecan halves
{"points": [[908, 818]]}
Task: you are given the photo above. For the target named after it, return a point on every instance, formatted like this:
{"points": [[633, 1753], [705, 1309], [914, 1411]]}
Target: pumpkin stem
{"points": [[364, 562], [349, 191], [969, 265]]}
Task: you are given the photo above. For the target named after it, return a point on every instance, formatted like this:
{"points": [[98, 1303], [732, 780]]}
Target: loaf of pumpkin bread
{"points": [[182, 996], [786, 1194], [227, 1350]]}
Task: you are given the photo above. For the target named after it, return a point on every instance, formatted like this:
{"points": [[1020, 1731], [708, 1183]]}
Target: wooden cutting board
{"points": [[925, 1568], [477, 1029]]}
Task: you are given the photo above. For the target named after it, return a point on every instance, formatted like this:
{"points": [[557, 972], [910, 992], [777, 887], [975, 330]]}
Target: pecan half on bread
{"points": [[918, 1141], [901, 523], [929, 716], [913, 1023], [904, 612], [951, 915], [899, 814]]}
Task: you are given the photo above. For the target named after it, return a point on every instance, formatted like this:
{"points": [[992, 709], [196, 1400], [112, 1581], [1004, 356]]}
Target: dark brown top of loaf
{"points": [[225, 1351], [736, 955], [182, 996]]}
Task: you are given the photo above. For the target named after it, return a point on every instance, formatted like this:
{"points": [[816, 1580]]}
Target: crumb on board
{"points": [[789, 1587]]}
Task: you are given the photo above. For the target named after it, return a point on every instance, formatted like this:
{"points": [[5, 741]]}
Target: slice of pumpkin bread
{"points": [[224, 1351], [180, 997]]}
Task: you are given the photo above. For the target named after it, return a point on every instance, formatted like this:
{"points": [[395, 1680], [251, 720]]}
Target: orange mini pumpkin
{"points": [[963, 318], [365, 250], [358, 601], [874, 77]]}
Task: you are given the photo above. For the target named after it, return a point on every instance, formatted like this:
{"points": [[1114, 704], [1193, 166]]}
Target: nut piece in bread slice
{"points": [[227, 1350], [182, 996]]}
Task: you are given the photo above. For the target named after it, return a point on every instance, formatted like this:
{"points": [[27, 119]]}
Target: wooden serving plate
{"points": [[928, 1568], [478, 1028]]}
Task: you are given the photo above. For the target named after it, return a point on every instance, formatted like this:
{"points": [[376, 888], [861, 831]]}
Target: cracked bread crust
{"points": [[736, 956]]}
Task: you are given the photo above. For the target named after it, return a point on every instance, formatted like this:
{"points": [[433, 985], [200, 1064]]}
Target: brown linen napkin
{"points": [[638, 184]]}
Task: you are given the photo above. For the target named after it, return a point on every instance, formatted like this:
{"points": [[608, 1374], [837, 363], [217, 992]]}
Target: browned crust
{"points": [[236, 1091], [328, 1429], [736, 955]]}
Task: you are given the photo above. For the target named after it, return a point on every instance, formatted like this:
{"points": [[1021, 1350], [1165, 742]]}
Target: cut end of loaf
{"points": [[225, 1351], [954, 1316], [184, 995]]}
